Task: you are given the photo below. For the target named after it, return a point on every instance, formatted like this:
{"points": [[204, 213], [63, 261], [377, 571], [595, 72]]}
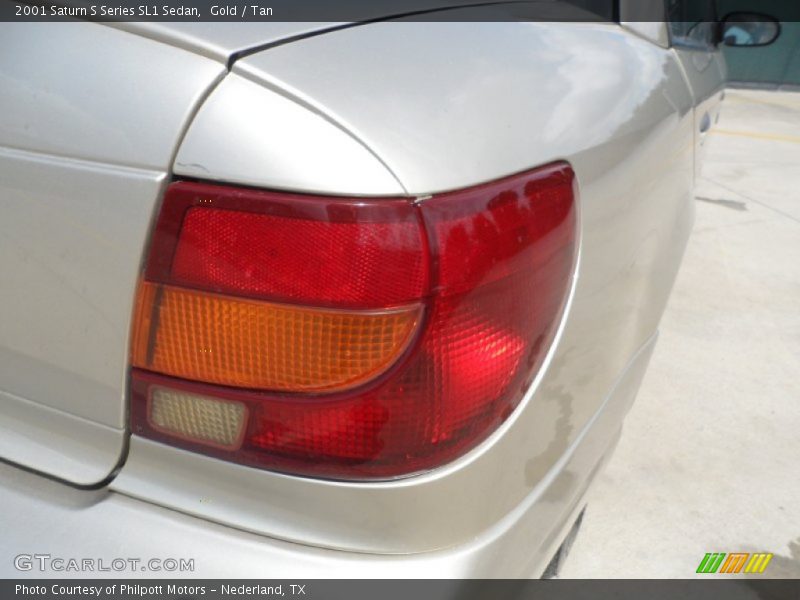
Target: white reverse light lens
{"points": [[198, 418]]}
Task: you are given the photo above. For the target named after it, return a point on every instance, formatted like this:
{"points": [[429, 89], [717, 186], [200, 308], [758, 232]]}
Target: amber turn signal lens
{"points": [[249, 343]]}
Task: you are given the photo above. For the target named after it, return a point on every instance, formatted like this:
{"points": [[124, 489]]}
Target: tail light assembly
{"points": [[348, 338]]}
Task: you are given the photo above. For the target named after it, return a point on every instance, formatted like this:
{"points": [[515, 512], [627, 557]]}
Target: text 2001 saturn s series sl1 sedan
{"points": [[322, 300]]}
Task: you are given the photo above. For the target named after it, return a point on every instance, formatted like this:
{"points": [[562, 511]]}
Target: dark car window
{"points": [[692, 22]]}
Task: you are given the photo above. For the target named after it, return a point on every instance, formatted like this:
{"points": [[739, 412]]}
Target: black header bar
{"points": [[322, 10], [314, 589]]}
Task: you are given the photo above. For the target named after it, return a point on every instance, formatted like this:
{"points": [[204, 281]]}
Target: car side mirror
{"points": [[748, 29]]}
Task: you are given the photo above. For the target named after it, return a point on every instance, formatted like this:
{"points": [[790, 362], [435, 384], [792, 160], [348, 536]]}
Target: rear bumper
{"points": [[49, 524], [121, 536]]}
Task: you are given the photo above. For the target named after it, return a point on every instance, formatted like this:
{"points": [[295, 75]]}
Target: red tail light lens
{"points": [[353, 339], [290, 248]]}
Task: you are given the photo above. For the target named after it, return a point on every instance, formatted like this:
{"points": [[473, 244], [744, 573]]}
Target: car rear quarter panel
{"points": [[444, 106], [87, 139]]}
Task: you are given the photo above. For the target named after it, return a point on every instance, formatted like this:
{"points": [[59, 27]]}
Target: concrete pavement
{"points": [[709, 460]]}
